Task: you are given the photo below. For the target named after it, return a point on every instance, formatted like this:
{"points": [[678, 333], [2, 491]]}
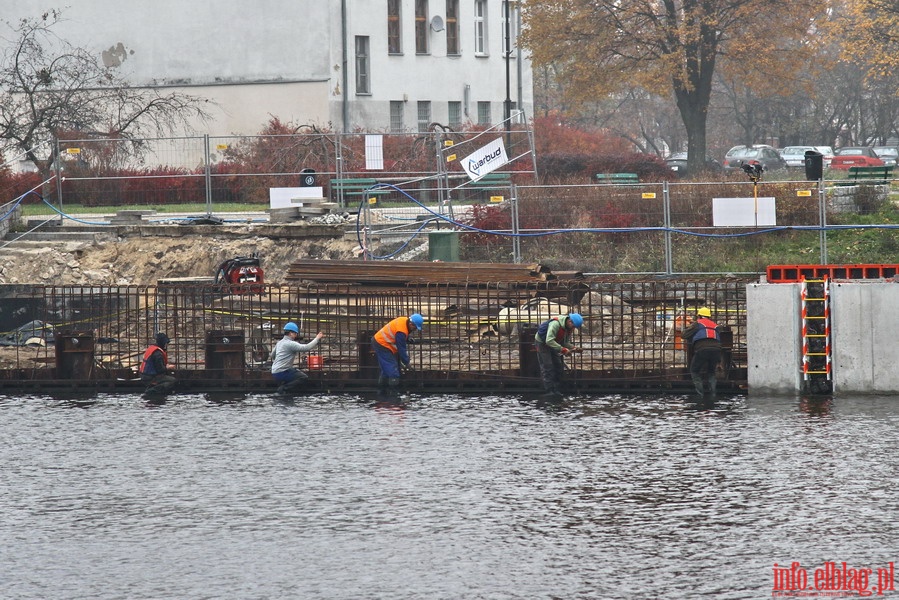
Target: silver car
{"points": [[795, 155]]}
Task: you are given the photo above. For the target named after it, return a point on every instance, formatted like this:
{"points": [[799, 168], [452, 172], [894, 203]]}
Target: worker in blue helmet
{"points": [[285, 351], [389, 344], [553, 342]]}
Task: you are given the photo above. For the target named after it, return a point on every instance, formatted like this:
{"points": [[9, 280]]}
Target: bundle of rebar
{"points": [[388, 273]]}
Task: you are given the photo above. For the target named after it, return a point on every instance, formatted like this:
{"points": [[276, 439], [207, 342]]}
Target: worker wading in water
{"points": [[389, 344], [154, 367], [553, 342], [705, 340], [283, 354]]}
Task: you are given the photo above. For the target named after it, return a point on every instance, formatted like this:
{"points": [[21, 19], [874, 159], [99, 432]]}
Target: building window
{"points": [[480, 27], [394, 31], [424, 115], [363, 83], [484, 117], [513, 26], [454, 114], [452, 27], [421, 26], [396, 116]]}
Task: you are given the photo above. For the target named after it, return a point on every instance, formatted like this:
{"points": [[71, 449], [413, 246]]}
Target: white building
{"points": [[345, 64]]}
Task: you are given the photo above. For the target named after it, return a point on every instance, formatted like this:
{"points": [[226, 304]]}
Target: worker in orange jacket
{"points": [[705, 339], [154, 366], [389, 344]]}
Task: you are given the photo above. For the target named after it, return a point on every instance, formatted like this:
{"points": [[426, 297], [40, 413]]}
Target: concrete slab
{"points": [[773, 337]]}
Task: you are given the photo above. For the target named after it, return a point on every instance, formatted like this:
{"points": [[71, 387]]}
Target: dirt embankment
{"points": [[145, 260]]}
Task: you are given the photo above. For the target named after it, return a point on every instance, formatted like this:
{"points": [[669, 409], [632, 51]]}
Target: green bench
{"points": [[617, 178], [491, 182], [872, 175], [357, 187]]}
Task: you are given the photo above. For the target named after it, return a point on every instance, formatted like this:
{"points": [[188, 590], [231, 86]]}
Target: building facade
{"points": [[347, 65]]}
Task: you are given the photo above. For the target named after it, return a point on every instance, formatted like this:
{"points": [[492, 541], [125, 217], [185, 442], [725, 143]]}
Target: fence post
{"points": [[822, 219], [207, 174], [516, 241], [666, 209]]}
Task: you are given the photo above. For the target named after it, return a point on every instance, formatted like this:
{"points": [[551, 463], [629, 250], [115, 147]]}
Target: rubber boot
{"points": [[697, 383], [382, 382], [713, 384]]}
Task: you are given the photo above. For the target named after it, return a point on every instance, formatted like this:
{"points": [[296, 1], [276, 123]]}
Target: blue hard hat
{"points": [[291, 327], [576, 319], [417, 320]]}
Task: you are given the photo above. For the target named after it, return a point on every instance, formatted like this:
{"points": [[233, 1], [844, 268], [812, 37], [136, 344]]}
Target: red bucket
{"points": [[314, 363]]}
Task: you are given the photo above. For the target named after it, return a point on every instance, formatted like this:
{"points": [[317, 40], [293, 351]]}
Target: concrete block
{"points": [[773, 337], [864, 330]]}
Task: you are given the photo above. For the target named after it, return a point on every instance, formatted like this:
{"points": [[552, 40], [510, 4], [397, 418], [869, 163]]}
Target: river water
{"points": [[441, 496]]}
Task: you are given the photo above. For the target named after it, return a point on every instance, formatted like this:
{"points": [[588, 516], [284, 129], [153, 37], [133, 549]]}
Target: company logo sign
{"points": [[485, 159]]}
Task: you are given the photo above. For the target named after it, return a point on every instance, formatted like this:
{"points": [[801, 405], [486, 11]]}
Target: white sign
{"points": [[743, 212], [374, 152], [485, 160], [282, 197]]}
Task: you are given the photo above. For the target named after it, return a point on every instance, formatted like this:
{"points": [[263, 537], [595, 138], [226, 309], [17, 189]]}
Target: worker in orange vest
{"points": [[705, 339], [154, 366], [389, 344]]}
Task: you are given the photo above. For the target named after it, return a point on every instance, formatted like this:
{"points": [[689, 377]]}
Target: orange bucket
{"points": [[314, 362]]}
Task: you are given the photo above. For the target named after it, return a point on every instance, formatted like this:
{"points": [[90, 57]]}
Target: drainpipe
{"points": [[345, 108]]}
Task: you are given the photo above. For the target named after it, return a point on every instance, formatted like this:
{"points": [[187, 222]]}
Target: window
{"points": [[454, 114], [480, 27], [421, 26], [513, 27], [484, 113], [424, 115], [452, 27], [394, 39], [363, 84], [396, 116]]}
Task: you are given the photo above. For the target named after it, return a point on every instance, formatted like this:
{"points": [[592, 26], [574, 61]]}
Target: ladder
{"points": [[816, 351]]}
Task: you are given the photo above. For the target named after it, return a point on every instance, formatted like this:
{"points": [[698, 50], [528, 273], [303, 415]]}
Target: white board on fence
{"points": [[280, 197], [744, 212], [374, 152]]}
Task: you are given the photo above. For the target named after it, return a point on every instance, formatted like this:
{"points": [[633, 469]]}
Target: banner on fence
{"points": [[485, 159]]}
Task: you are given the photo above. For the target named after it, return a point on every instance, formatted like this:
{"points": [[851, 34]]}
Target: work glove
{"points": [[407, 368], [565, 350]]}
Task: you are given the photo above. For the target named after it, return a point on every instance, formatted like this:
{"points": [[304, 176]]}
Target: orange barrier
{"points": [[796, 273]]}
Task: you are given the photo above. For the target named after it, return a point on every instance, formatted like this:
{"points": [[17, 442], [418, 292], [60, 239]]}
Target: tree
{"points": [[606, 47], [49, 87]]}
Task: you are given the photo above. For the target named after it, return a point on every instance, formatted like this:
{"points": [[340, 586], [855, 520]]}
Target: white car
{"points": [[533, 313], [795, 155]]}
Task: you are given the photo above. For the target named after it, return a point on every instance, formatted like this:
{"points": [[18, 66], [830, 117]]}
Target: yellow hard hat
{"points": [[704, 312]]}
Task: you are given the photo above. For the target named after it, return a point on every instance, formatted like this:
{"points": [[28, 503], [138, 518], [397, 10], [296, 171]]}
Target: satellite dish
{"points": [[437, 23]]}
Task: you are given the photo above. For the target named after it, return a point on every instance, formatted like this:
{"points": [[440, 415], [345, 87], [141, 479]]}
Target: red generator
{"points": [[241, 275]]}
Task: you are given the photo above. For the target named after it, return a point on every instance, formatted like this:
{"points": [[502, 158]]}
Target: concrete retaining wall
{"points": [[864, 337]]}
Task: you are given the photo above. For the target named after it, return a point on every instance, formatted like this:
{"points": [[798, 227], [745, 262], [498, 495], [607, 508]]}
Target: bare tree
{"points": [[50, 88]]}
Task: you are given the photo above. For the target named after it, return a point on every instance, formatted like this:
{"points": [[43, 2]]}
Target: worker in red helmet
{"points": [[154, 366], [705, 340], [283, 354], [389, 344], [552, 342]]}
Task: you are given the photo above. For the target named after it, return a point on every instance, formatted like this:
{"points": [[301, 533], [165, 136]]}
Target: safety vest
{"points": [[709, 330], [386, 336], [146, 366]]}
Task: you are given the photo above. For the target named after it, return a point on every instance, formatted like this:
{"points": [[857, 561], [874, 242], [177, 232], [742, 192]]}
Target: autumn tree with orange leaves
{"points": [[601, 48]]}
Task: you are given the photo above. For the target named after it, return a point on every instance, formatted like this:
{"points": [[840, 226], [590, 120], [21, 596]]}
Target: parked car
{"points": [[888, 154], [794, 156], [855, 156], [678, 163], [762, 154], [827, 151]]}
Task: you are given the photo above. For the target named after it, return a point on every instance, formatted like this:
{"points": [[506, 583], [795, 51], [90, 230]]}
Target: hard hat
{"points": [[291, 327], [161, 339], [417, 320], [704, 312], [576, 320]]}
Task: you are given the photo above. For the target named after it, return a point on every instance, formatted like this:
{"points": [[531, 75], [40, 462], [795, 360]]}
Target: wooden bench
{"points": [[617, 178], [492, 182], [357, 187], [871, 175]]}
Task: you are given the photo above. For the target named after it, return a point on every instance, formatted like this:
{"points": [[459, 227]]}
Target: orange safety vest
{"points": [[709, 330], [146, 359], [386, 336]]}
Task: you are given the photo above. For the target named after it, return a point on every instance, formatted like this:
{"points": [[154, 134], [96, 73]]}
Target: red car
{"points": [[855, 156]]}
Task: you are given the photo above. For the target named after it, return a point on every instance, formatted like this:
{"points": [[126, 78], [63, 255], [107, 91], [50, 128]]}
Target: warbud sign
{"points": [[485, 159]]}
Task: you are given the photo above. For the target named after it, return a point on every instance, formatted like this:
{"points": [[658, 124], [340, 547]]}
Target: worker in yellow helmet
{"points": [[705, 340]]}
